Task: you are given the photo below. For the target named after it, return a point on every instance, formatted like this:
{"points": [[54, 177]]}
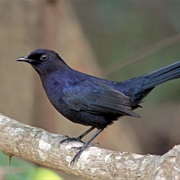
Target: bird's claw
{"points": [[69, 139], [75, 158], [90, 145]]}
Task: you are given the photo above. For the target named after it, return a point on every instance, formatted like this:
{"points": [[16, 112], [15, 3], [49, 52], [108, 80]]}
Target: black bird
{"points": [[90, 100]]}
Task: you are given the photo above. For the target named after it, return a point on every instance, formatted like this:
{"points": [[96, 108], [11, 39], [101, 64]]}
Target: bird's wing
{"points": [[98, 99]]}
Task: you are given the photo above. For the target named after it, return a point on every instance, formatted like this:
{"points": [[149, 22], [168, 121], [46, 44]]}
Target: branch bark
{"points": [[40, 146]]}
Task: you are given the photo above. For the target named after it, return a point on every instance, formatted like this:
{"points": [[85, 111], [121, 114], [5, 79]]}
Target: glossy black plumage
{"points": [[90, 100]]}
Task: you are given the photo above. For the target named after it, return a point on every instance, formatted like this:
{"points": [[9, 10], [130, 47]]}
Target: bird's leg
{"points": [[86, 144], [85, 133], [78, 138]]}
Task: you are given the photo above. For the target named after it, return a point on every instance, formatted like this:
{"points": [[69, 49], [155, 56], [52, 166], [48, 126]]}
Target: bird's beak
{"points": [[24, 59]]}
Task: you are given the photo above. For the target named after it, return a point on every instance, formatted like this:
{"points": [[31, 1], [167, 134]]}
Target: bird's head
{"points": [[44, 61]]}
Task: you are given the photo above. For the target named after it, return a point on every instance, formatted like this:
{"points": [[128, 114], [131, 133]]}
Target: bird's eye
{"points": [[43, 57]]}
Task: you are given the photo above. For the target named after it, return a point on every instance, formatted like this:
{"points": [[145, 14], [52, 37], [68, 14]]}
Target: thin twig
{"points": [[138, 56]]}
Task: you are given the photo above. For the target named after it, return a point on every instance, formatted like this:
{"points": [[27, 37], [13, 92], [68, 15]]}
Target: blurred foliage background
{"points": [[117, 39]]}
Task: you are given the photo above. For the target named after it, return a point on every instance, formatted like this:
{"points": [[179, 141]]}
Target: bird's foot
{"points": [[69, 139], [89, 145], [77, 155], [81, 149]]}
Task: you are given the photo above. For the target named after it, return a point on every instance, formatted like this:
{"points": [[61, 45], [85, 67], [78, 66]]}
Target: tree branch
{"points": [[40, 146]]}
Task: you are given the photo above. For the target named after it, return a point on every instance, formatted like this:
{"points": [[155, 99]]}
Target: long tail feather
{"points": [[162, 75]]}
